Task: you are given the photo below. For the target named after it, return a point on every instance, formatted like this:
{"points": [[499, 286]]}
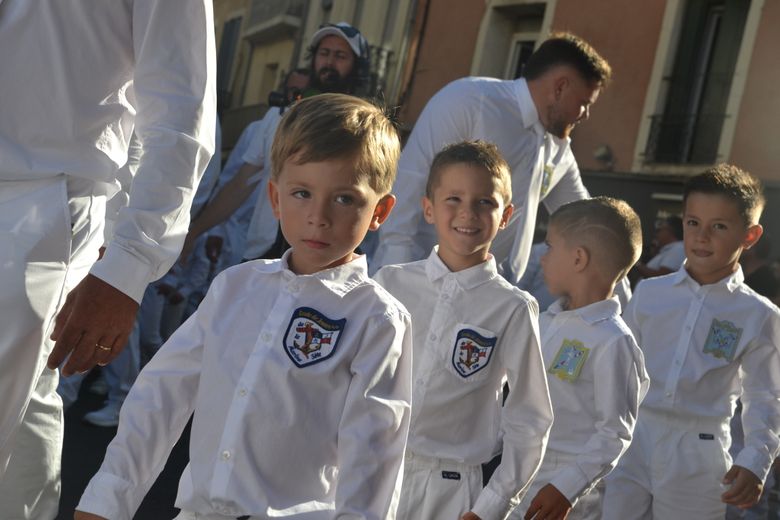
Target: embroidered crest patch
{"points": [[311, 337], [569, 361], [547, 176], [471, 352], [722, 339]]}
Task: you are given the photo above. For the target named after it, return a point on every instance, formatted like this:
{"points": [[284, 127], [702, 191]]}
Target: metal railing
{"points": [[684, 138]]}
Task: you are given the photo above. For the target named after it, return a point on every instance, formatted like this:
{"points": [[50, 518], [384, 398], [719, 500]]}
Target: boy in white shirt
{"points": [[297, 370], [708, 340], [595, 371], [472, 332]]}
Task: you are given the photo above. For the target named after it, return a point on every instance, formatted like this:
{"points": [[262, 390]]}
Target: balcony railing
{"points": [[684, 138]]}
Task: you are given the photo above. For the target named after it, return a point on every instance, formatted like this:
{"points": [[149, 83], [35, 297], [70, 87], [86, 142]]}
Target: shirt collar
{"points": [[340, 279], [593, 313], [467, 278], [730, 282], [530, 117]]}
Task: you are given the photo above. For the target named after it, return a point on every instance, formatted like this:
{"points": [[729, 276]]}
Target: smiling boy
{"points": [[708, 340], [297, 370], [472, 331]]}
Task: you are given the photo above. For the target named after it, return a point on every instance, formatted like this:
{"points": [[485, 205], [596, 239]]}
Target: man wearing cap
{"points": [[529, 119], [78, 78], [339, 63]]}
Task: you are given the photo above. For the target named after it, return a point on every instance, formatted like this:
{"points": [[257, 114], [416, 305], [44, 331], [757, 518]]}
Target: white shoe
{"points": [[107, 416]]}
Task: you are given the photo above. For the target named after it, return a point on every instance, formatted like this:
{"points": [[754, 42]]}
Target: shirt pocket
{"points": [[470, 350]]}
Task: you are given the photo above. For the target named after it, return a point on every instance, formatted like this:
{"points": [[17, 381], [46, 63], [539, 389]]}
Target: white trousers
{"points": [[50, 232], [587, 507], [672, 470], [436, 489]]}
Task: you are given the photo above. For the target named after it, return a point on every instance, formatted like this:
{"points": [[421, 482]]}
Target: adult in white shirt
{"points": [[671, 251], [340, 61], [78, 77], [530, 120]]}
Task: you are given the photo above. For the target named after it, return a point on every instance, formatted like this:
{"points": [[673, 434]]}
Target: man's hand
{"points": [[470, 516], [189, 244], [92, 326], [548, 504], [81, 515], [745, 488], [213, 248]]}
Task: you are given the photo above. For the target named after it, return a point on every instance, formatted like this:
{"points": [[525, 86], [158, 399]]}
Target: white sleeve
{"points": [[568, 189], [620, 385], [255, 152], [121, 198], [173, 86], [761, 398], [152, 418], [446, 119], [526, 417], [210, 176], [375, 422]]}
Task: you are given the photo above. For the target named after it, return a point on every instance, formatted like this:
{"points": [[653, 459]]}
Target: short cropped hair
{"points": [[674, 223], [339, 126], [735, 184], [564, 48], [608, 228], [474, 153]]}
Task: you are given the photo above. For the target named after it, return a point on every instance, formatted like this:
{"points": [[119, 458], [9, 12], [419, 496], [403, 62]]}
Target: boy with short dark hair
{"points": [[472, 331], [297, 370], [708, 340], [595, 370]]}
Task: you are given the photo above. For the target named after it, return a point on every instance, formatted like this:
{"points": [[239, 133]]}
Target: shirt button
{"points": [[265, 337], [242, 392], [226, 455], [668, 394], [433, 337], [294, 287]]}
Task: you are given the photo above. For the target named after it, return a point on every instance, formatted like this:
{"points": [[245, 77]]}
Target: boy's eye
{"points": [[718, 225], [487, 202], [452, 198], [691, 222], [345, 199], [301, 194]]}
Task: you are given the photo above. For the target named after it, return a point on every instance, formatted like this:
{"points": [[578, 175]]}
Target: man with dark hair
{"points": [[669, 249], [339, 63], [529, 119]]}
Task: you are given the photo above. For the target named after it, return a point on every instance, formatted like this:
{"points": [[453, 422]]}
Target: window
{"points": [[697, 91], [227, 51]]}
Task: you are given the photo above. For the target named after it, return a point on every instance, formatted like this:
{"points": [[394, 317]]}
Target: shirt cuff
{"points": [[491, 506], [571, 482], [752, 459], [124, 271], [110, 497]]}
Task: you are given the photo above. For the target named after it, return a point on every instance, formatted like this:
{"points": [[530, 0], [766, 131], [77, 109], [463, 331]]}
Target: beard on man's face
{"points": [[327, 79]]}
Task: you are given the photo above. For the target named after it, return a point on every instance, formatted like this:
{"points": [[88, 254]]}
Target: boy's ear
{"points": [[273, 196], [505, 217], [382, 211], [427, 206], [581, 258], [754, 232]]}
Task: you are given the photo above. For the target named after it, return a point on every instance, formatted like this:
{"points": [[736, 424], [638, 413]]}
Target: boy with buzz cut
{"points": [[297, 370], [595, 370], [708, 340], [472, 331]]}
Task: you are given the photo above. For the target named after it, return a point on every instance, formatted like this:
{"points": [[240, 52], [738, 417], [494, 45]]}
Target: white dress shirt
{"points": [[597, 379], [77, 78], [670, 256], [708, 345], [457, 412], [263, 227], [501, 112], [276, 432]]}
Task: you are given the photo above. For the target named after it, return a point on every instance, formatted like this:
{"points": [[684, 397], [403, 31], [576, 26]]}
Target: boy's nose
{"points": [[318, 215]]}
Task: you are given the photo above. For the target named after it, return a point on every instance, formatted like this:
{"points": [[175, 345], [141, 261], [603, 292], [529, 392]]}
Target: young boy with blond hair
{"points": [[297, 370], [708, 340], [595, 370], [472, 332]]}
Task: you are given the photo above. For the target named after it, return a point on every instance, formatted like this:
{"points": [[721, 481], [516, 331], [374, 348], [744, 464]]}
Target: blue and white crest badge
{"points": [[311, 337], [471, 352], [547, 175], [722, 340], [569, 361]]}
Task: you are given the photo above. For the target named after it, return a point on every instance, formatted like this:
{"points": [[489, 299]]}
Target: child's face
{"points": [[714, 235], [467, 210], [558, 262], [325, 210]]}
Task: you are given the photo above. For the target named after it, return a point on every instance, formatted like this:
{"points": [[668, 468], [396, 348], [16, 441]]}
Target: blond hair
{"points": [[474, 153], [608, 228], [338, 126]]}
